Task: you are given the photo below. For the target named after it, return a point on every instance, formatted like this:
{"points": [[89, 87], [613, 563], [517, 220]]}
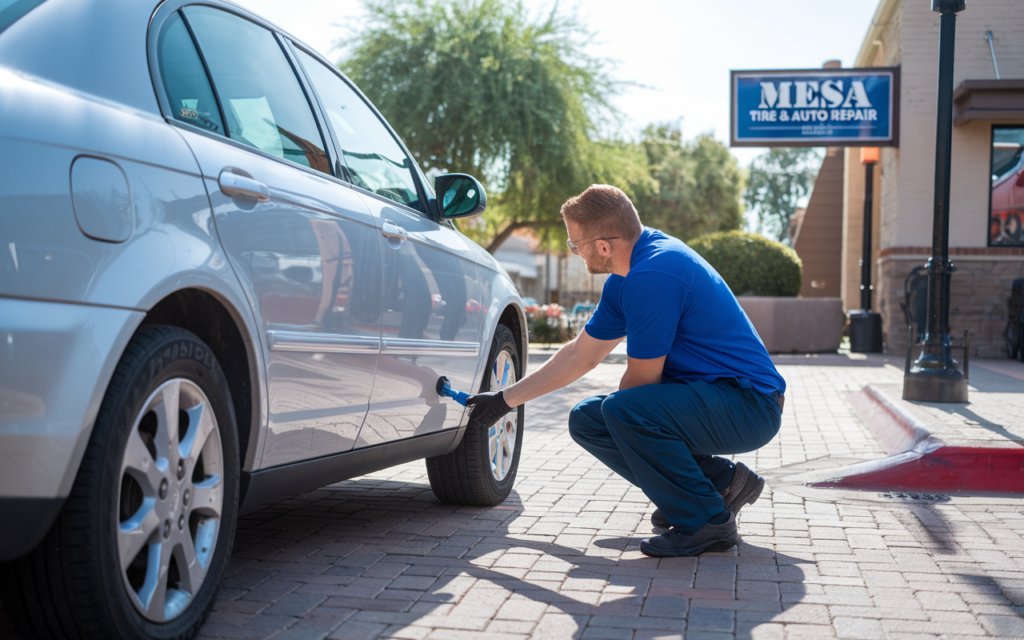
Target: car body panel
{"points": [[427, 332], [91, 47], [54, 368], [312, 244]]}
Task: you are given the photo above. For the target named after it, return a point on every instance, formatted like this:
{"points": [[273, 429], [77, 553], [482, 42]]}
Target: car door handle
{"points": [[392, 231], [235, 185]]}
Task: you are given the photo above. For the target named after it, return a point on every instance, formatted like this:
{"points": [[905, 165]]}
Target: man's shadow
{"points": [[389, 547]]}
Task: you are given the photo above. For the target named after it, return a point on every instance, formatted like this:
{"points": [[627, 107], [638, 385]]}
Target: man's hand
{"points": [[488, 408]]}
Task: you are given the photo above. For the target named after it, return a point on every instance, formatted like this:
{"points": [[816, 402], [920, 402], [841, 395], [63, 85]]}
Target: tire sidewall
{"points": [[178, 354]]}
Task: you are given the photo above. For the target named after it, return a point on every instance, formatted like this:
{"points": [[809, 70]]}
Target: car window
{"points": [[188, 89], [264, 104], [374, 159]]}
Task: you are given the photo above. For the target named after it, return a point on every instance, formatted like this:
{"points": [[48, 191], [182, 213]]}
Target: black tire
{"points": [[464, 476], [72, 586]]}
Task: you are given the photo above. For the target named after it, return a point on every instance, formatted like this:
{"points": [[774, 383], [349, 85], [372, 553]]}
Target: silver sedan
{"points": [[224, 281]]}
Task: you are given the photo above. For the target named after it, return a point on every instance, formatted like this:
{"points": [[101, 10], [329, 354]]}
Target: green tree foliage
{"points": [[698, 184], [481, 87], [776, 182], [752, 264]]}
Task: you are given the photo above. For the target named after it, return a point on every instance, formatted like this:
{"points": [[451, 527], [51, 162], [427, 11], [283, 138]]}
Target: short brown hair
{"points": [[605, 211]]}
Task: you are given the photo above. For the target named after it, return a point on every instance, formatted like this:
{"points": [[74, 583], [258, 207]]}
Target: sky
{"points": [[680, 52]]}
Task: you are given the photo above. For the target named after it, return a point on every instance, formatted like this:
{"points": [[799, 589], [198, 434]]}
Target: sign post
{"points": [[934, 377]]}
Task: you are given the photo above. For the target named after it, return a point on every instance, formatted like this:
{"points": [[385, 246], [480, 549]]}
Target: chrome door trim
{"points": [[407, 347], [321, 342]]}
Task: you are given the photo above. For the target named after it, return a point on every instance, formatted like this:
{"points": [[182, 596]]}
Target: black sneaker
{"points": [[709, 538], [745, 488]]}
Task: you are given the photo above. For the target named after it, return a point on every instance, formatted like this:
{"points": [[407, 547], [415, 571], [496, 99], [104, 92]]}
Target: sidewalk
{"points": [[379, 557]]}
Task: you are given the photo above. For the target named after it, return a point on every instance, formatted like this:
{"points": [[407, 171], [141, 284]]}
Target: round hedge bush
{"points": [[751, 264]]}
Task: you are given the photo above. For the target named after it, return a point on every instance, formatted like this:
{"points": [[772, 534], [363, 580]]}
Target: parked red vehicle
{"points": [[1006, 223]]}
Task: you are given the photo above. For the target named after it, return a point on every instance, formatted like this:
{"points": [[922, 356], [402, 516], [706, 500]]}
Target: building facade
{"points": [[986, 237]]}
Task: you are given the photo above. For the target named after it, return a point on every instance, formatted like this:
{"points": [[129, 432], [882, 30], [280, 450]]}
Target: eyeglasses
{"points": [[575, 248]]}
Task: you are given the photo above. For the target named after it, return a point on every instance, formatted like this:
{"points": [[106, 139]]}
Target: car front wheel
{"points": [[143, 540], [482, 469]]}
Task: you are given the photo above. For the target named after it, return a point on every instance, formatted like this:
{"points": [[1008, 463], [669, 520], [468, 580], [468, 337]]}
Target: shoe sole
{"points": [[711, 547]]}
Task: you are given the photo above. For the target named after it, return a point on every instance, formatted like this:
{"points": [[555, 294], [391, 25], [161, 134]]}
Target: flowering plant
{"points": [[547, 323]]}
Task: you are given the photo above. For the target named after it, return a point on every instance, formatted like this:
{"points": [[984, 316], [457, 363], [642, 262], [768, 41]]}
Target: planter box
{"points": [[796, 325]]}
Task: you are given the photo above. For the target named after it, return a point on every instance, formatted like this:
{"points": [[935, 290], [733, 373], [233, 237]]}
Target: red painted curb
{"points": [[946, 469]]}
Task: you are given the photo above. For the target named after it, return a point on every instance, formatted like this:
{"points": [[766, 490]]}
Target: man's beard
{"points": [[598, 266]]}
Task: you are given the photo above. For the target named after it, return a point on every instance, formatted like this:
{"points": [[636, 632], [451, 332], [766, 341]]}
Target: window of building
{"points": [[1006, 206]]}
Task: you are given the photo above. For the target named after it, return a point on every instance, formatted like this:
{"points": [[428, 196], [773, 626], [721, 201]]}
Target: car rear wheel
{"points": [[143, 540], [482, 469]]}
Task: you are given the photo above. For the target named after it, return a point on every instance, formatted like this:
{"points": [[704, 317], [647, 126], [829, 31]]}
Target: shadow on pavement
{"points": [[366, 555]]}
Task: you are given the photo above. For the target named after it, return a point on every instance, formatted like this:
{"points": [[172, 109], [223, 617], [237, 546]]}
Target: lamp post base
{"points": [[865, 331], [922, 384]]}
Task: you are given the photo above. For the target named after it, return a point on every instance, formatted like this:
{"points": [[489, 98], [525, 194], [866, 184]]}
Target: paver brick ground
{"points": [[378, 556]]}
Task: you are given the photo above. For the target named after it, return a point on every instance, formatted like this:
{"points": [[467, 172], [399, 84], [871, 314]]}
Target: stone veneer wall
{"points": [[979, 292]]}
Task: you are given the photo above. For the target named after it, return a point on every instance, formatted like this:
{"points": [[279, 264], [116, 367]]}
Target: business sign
{"points": [[815, 108]]}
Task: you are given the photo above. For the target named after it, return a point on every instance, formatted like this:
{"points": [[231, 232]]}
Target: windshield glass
{"points": [[11, 10]]}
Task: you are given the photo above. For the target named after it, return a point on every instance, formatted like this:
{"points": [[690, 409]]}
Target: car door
{"points": [[432, 318], [303, 243]]}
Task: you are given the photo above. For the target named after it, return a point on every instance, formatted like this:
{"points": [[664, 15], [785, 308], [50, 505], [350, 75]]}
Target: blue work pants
{"points": [[665, 439]]}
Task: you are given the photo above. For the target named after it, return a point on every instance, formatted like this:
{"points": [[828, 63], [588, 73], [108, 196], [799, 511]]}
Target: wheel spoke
{"points": [[167, 421], [202, 418], [189, 569], [137, 462], [153, 593], [135, 533], [208, 497]]}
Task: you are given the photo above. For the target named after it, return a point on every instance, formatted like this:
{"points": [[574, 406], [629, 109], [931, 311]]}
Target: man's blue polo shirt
{"points": [[673, 303]]}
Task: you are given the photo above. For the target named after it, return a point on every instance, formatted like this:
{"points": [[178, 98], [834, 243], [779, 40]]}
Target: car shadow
{"points": [[387, 553]]}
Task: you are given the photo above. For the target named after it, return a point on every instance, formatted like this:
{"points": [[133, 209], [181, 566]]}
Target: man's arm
{"points": [[642, 371], [569, 364]]}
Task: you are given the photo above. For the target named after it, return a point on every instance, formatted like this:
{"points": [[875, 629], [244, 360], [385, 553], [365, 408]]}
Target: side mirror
{"points": [[459, 195]]}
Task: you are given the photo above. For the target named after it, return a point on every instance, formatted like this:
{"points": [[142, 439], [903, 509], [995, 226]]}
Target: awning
{"points": [[988, 100]]}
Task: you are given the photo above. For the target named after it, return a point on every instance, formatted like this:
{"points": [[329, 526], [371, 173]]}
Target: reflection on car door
{"points": [[433, 310], [303, 243]]}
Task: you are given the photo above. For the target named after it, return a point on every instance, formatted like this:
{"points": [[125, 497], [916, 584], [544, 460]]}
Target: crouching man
{"points": [[699, 382]]}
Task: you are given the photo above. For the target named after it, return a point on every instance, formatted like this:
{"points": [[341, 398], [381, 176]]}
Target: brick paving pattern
{"points": [[378, 556]]}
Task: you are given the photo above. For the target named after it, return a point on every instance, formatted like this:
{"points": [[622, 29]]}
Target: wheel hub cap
{"points": [[173, 456], [501, 437]]}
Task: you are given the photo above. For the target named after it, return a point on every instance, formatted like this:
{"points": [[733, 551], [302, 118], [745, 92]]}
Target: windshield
{"points": [[11, 10]]}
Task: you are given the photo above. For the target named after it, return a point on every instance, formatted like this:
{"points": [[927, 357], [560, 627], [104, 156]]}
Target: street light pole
{"points": [[865, 324], [934, 376]]}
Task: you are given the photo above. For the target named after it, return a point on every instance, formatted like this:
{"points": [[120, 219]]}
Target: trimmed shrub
{"points": [[750, 264]]}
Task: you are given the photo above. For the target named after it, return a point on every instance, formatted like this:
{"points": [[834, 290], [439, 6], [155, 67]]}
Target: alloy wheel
{"points": [[501, 437], [171, 500]]}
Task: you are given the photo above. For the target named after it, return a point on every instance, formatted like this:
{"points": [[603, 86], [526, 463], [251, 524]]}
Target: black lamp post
{"points": [[865, 324], [934, 377]]}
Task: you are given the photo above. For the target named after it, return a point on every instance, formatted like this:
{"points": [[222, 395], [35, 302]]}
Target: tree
{"points": [[479, 87], [698, 184], [776, 182]]}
